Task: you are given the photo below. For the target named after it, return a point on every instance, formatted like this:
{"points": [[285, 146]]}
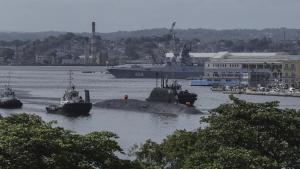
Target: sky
{"points": [[126, 15]]}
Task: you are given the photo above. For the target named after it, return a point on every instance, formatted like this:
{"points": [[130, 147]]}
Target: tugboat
{"points": [[9, 100], [172, 94], [72, 103]]}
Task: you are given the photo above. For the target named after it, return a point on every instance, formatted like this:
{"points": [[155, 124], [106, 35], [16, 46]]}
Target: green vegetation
{"points": [[27, 142], [239, 135]]}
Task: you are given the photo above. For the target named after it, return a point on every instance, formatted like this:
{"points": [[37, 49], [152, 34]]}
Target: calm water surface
{"points": [[41, 86]]}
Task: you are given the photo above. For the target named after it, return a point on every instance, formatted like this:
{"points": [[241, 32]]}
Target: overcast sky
{"points": [[114, 15]]}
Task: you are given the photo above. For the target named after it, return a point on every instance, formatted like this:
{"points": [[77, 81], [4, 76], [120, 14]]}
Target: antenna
{"points": [[70, 78], [8, 78]]}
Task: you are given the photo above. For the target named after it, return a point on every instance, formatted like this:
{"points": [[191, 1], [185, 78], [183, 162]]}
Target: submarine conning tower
{"points": [[162, 95]]}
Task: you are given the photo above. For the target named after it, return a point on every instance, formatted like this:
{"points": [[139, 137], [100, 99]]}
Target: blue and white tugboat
{"points": [[72, 103], [8, 99]]}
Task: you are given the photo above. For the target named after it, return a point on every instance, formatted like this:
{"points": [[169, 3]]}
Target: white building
{"points": [[259, 68]]}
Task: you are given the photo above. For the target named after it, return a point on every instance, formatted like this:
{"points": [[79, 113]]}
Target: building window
{"points": [[223, 74], [244, 66], [286, 66], [293, 66], [260, 66]]}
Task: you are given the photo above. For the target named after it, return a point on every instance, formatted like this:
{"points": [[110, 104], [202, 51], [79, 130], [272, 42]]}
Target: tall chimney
{"points": [[93, 43], [93, 27]]}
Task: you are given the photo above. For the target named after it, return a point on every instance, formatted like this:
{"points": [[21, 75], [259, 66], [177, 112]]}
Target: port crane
{"points": [[173, 42]]}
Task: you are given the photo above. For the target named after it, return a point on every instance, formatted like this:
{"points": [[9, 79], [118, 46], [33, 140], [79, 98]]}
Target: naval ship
{"points": [[183, 68]]}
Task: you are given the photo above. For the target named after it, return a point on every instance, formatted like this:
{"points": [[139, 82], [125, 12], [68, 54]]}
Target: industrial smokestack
{"points": [[93, 43], [93, 27]]}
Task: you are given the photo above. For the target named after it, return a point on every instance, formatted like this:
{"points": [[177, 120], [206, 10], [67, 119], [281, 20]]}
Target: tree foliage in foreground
{"points": [[240, 135], [27, 142]]}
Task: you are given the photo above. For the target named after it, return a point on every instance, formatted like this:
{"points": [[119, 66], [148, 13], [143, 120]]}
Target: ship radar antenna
{"points": [[70, 78], [8, 78]]}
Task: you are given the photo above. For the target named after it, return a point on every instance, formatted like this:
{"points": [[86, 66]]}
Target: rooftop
{"points": [[229, 55]]}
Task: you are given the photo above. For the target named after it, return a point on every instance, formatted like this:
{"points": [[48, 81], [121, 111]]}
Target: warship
{"points": [[180, 67], [183, 68], [72, 103]]}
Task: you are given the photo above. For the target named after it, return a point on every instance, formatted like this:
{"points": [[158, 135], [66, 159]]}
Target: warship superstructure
{"points": [[180, 66]]}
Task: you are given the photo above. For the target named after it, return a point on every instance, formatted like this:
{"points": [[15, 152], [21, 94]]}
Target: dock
{"points": [[247, 92]]}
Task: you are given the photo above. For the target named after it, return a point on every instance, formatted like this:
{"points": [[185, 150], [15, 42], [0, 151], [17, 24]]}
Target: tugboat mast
{"points": [[70, 79], [8, 77]]}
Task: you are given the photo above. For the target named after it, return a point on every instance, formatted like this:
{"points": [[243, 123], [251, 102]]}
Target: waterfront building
{"points": [[291, 72], [248, 68]]}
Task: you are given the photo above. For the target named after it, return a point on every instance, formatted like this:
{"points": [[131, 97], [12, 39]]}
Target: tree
{"points": [[240, 135], [27, 142]]}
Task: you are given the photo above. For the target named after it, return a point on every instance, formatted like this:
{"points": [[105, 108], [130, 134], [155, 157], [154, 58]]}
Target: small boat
{"points": [[72, 103], [217, 88], [88, 71], [201, 82], [9, 100]]}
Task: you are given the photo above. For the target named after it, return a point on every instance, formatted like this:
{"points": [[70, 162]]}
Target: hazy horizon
{"points": [[129, 15]]}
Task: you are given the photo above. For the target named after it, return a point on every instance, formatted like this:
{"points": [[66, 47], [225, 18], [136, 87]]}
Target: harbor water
{"points": [[39, 86]]}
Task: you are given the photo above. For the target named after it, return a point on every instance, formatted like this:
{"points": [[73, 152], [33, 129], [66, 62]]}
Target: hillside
{"points": [[207, 35]]}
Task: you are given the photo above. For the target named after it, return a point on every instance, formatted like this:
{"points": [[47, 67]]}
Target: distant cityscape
{"points": [[145, 46]]}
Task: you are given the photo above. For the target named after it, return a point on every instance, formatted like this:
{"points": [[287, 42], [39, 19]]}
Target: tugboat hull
{"points": [[11, 104], [70, 109], [77, 108]]}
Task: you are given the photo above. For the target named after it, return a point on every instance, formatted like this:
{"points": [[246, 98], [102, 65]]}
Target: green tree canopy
{"points": [[240, 135], [27, 142]]}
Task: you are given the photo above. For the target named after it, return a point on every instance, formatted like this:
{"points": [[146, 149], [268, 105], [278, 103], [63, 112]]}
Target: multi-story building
{"points": [[291, 72], [247, 68]]}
